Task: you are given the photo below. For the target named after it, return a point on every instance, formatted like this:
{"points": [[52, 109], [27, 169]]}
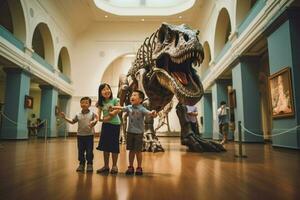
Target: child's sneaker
{"points": [[89, 168], [80, 168], [103, 170], [139, 171], [130, 170], [114, 170]]}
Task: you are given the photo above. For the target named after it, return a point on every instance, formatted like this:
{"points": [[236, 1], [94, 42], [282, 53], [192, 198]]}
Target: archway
{"points": [[117, 67], [207, 58], [64, 64], [242, 9], [12, 18], [42, 43], [222, 32]]}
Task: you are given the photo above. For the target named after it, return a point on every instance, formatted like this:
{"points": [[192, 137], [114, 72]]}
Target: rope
{"points": [[62, 123], [273, 135], [16, 123], [10, 120]]}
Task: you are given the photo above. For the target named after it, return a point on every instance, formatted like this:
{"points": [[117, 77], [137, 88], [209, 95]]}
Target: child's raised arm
{"points": [[117, 107], [113, 111], [153, 113], [71, 121]]}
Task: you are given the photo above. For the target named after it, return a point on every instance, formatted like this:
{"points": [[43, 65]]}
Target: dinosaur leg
{"points": [[191, 139], [123, 128], [151, 142]]}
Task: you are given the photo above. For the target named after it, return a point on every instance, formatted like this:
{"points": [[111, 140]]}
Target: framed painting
{"points": [[28, 102], [281, 94]]}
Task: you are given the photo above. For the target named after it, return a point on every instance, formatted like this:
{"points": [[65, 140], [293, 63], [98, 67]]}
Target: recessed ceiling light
{"points": [[180, 17], [142, 20], [106, 16]]}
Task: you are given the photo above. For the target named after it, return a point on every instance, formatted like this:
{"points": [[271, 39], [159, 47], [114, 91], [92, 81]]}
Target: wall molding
{"points": [[24, 61], [255, 29]]}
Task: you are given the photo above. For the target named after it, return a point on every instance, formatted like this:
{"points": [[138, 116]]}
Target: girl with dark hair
{"points": [[110, 131]]}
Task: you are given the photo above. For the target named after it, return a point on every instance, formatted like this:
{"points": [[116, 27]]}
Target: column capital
{"points": [[47, 87], [289, 13], [15, 70], [64, 96], [248, 58]]}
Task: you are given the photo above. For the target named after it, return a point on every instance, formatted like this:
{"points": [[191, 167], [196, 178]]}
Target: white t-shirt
{"points": [[84, 120]]}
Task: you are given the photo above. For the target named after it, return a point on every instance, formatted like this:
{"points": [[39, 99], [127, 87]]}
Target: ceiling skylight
{"points": [[144, 7]]}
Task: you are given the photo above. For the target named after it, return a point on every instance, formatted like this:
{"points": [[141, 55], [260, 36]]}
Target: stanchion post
{"points": [[46, 130], [240, 139], [240, 154], [1, 119], [65, 127]]}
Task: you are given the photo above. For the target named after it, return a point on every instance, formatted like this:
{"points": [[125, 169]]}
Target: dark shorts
{"points": [[134, 141], [223, 128], [109, 138]]}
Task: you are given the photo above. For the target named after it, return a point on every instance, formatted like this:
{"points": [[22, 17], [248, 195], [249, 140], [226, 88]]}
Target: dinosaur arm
{"points": [[104, 118]]}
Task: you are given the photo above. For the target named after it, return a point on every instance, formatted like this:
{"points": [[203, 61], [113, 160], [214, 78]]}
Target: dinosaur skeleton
{"points": [[164, 67]]}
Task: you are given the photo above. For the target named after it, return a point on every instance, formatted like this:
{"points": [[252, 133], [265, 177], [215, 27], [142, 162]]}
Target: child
{"points": [[135, 129], [110, 131], [85, 134]]}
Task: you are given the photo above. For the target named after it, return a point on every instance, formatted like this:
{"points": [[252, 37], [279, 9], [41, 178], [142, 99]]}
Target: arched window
{"points": [[5, 16], [42, 43], [64, 64], [207, 58], [242, 9], [12, 18], [223, 30]]}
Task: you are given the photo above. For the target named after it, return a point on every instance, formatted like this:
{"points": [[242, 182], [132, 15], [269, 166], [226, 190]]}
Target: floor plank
{"points": [[36, 169]]}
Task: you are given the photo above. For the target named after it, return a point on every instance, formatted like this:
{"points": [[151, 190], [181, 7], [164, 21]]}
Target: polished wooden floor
{"points": [[36, 169]]}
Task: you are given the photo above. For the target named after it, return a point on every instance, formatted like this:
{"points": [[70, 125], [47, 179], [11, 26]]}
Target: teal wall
{"points": [[47, 111], [63, 102], [245, 82], [219, 93], [283, 46], [206, 108], [17, 86], [11, 38]]}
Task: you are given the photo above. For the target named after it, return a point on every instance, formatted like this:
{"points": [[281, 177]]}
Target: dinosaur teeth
{"points": [[195, 63]]}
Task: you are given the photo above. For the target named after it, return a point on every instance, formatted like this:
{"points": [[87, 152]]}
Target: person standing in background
{"points": [[223, 118]]}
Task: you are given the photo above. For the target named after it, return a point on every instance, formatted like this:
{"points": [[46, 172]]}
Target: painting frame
{"points": [[281, 94], [28, 102], [232, 99], [56, 110]]}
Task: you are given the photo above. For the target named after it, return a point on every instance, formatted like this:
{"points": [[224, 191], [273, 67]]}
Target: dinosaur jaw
{"points": [[178, 75], [188, 93]]}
